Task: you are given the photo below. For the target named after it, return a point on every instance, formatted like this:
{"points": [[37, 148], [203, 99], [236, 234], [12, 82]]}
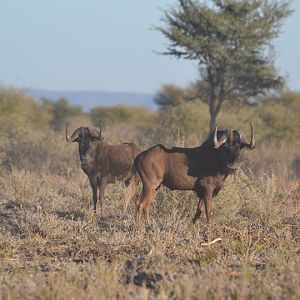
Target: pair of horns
{"points": [[218, 143], [75, 136]]}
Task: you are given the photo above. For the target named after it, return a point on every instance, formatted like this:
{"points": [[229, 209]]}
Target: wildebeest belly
{"points": [[179, 180], [119, 173], [118, 177]]}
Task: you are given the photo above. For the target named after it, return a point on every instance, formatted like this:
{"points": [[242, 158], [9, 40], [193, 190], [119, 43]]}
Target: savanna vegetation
{"points": [[53, 247]]}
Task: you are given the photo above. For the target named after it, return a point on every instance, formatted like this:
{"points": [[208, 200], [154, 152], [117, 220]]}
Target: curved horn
{"points": [[239, 135], [217, 143], [251, 145], [68, 139]]}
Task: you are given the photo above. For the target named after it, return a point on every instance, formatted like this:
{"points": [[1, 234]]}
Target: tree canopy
{"points": [[231, 40]]}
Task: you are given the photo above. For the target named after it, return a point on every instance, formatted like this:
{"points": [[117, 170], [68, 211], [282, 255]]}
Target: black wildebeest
{"points": [[101, 162], [202, 169]]}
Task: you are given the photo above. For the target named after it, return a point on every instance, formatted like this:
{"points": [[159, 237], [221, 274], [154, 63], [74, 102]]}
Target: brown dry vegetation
{"points": [[52, 246]]}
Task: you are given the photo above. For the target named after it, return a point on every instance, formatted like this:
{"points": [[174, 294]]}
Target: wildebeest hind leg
{"points": [[147, 207], [143, 205]]}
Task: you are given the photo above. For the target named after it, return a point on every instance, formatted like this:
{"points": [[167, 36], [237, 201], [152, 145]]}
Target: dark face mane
{"points": [[84, 136], [232, 147]]}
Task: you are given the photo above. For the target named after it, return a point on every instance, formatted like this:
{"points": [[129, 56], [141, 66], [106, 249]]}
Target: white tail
{"points": [[131, 189]]}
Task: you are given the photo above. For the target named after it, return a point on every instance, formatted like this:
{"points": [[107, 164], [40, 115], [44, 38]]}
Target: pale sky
{"points": [[104, 45]]}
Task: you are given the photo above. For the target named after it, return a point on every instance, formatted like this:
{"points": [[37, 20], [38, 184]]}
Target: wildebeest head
{"points": [[230, 143], [84, 135]]}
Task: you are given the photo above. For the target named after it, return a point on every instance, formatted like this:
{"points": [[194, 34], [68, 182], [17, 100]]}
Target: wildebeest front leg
{"points": [[102, 186], [93, 183], [200, 210], [216, 191], [208, 203], [205, 197]]}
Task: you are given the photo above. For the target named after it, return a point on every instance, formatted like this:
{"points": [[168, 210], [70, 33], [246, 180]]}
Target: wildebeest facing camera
{"points": [[101, 162]]}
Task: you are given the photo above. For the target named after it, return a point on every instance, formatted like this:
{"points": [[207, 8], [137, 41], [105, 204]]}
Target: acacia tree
{"points": [[231, 40]]}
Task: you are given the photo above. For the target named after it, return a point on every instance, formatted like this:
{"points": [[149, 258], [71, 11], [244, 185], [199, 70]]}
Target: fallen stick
{"points": [[212, 242]]}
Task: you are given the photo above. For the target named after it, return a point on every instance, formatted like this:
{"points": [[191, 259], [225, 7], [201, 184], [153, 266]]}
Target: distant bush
{"points": [[170, 95], [40, 151], [273, 119], [173, 95], [186, 121], [111, 115], [280, 117], [19, 110], [26, 141], [60, 111]]}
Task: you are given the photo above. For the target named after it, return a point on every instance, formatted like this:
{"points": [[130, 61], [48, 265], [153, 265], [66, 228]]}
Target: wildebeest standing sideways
{"points": [[101, 162], [202, 169]]}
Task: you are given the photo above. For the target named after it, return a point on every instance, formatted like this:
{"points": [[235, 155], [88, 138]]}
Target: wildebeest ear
{"points": [[94, 134]]}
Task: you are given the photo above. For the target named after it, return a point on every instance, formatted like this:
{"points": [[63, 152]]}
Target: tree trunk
{"points": [[212, 100], [212, 121], [215, 106]]}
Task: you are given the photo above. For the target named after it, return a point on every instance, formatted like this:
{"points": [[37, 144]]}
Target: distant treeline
{"points": [[273, 117], [32, 132]]}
